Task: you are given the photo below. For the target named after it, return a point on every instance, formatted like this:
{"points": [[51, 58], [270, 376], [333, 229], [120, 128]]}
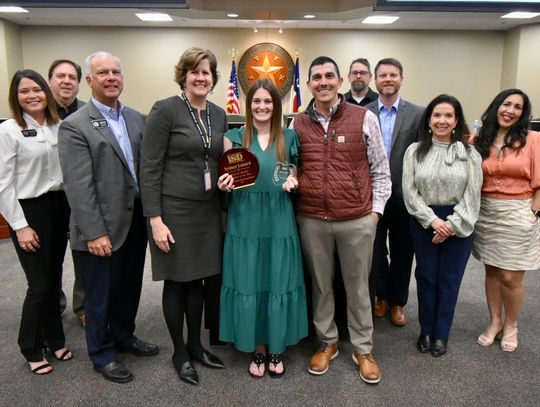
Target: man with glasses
{"points": [[64, 78], [360, 78]]}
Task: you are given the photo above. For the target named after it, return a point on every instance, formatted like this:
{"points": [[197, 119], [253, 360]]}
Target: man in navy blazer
{"points": [[399, 121], [99, 147]]}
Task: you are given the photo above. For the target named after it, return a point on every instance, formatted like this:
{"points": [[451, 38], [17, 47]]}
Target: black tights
{"points": [[181, 299]]}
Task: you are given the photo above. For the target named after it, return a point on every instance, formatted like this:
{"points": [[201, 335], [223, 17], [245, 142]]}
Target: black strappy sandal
{"points": [[64, 356], [275, 359], [259, 359]]}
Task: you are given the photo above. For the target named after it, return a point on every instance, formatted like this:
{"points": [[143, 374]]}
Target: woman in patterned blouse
{"points": [[441, 187]]}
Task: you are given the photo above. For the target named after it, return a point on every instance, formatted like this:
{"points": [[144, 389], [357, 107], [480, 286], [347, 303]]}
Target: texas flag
{"points": [[233, 105], [296, 100]]}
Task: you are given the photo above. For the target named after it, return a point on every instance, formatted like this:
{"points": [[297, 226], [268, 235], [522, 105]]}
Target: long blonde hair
{"points": [[276, 132]]}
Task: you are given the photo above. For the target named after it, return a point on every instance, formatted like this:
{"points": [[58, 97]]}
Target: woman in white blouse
{"points": [[442, 177], [34, 205]]}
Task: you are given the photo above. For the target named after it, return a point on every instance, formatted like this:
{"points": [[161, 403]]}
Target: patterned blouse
{"points": [[449, 175]]}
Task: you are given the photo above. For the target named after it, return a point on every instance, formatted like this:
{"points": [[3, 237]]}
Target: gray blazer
{"points": [[97, 181], [404, 134]]}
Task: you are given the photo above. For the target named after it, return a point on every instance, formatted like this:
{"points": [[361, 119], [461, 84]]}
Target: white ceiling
{"points": [[331, 14]]}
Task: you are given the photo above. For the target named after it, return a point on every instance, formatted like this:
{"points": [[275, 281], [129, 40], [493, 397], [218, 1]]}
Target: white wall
{"points": [[528, 63], [10, 61], [467, 65]]}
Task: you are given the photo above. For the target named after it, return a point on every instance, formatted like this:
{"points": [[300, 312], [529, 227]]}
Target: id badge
{"points": [[207, 180]]}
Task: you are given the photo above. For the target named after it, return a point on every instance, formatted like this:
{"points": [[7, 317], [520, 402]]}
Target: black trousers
{"points": [[48, 215], [392, 276], [112, 288], [439, 271]]}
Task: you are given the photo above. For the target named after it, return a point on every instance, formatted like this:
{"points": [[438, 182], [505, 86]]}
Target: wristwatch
{"points": [[536, 212]]}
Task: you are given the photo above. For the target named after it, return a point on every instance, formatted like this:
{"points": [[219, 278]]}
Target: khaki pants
{"points": [[353, 240]]}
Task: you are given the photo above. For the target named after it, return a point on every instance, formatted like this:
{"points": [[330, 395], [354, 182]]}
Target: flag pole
{"points": [[295, 98]]}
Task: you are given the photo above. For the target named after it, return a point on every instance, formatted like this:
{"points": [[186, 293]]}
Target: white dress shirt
{"points": [[29, 166]]}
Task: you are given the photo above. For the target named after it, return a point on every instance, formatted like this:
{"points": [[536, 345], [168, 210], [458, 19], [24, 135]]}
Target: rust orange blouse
{"points": [[513, 174]]}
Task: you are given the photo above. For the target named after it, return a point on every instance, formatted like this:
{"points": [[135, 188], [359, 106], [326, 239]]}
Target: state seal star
{"points": [[266, 70]]}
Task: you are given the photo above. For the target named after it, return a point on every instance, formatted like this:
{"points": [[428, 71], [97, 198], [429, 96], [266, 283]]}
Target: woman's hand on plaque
{"points": [[226, 182], [290, 184], [161, 234]]}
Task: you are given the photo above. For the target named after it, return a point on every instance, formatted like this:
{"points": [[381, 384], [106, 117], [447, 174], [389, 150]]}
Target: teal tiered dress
{"points": [[263, 298]]}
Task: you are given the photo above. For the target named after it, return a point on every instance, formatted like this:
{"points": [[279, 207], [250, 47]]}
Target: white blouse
{"points": [[29, 166]]}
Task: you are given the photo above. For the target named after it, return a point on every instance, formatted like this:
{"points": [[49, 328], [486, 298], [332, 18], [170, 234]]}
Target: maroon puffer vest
{"points": [[334, 177]]}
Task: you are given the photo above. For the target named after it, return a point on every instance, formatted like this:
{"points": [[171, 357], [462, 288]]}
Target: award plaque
{"points": [[282, 171], [242, 164]]}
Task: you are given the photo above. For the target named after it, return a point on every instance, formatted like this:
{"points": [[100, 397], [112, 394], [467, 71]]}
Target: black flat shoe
{"points": [[115, 372], [438, 348], [424, 343], [140, 348], [186, 372], [207, 359]]}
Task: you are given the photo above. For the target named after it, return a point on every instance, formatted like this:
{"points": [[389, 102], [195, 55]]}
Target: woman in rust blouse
{"points": [[507, 231]]}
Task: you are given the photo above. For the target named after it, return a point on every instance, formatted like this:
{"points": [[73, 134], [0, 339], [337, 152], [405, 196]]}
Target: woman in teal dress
{"points": [[263, 301]]}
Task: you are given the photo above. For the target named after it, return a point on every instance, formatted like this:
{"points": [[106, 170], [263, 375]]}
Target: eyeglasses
{"points": [[359, 73]]}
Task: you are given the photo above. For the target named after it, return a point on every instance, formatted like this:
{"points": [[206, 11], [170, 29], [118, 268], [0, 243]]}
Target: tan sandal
{"points": [[487, 337], [507, 345]]}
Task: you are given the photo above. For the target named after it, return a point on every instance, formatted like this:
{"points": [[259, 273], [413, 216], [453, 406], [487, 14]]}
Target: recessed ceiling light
{"points": [[154, 16], [309, 16], [521, 14], [379, 20], [12, 9], [232, 15]]}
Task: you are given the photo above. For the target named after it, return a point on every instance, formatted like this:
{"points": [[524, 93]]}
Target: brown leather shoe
{"points": [[397, 315], [321, 358], [381, 308], [367, 367]]}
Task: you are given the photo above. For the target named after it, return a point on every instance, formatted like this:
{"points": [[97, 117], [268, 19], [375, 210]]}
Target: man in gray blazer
{"points": [[99, 147], [64, 78], [399, 121]]}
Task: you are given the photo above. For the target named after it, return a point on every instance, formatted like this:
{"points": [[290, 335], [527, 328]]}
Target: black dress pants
{"points": [[48, 215], [392, 276]]}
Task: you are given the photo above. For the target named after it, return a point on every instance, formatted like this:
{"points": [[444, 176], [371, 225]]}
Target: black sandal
{"points": [[39, 369], [275, 359], [259, 359], [65, 356]]}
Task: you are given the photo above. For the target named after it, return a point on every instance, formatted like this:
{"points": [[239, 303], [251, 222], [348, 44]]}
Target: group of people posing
{"points": [[360, 178]]}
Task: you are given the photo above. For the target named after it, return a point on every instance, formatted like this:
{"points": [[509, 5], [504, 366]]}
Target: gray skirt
{"points": [[196, 228], [507, 234]]}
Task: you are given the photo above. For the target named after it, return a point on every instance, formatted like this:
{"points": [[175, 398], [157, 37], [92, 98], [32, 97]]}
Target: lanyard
{"points": [[206, 136]]}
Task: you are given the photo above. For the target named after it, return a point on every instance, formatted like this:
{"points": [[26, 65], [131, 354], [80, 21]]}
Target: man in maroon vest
{"points": [[344, 182]]}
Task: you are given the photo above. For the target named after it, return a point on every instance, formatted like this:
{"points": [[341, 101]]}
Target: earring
{"points": [[453, 131], [429, 131]]}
